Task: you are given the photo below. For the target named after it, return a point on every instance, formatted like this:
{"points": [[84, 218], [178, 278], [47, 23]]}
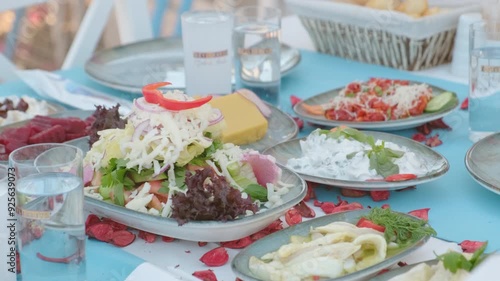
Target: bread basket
{"points": [[383, 37]]}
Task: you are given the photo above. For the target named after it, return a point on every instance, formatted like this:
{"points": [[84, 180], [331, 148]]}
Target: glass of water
{"points": [[206, 39], [50, 217], [484, 86], [257, 48]]}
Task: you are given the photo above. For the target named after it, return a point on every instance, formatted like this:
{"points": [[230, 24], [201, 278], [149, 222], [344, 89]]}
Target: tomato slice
{"points": [[421, 213], [215, 257], [364, 222], [470, 246], [155, 96], [293, 217], [401, 177]]}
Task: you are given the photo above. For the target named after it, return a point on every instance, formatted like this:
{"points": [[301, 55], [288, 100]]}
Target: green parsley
{"points": [[200, 160], [453, 261], [381, 157], [400, 228], [115, 176]]}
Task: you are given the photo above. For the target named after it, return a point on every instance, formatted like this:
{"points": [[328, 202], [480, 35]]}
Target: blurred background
{"points": [[40, 35]]}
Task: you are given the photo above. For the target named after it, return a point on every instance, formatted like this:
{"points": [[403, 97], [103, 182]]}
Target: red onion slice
{"points": [[139, 129], [251, 96], [143, 105], [162, 170], [216, 117], [88, 174]]}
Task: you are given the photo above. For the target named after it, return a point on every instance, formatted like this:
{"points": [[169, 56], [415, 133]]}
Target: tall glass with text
{"points": [[50, 220], [208, 62], [484, 91], [256, 40]]}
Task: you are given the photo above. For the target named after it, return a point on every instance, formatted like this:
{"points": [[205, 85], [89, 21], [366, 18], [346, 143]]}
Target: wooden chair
{"points": [[133, 21]]}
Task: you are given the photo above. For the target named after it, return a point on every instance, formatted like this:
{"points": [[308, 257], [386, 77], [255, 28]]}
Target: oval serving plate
{"points": [[273, 241], [482, 161], [389, 125], [207, 231], [438, 164], [130, 67]]}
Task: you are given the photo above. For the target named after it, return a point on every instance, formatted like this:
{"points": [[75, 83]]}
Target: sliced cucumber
{"points": [[440, 101]]}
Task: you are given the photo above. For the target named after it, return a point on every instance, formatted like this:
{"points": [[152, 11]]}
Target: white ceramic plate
{"points": [[482, 161], [273, 241], [389, 125], [291, 149], [130, 67], [208, 231]]}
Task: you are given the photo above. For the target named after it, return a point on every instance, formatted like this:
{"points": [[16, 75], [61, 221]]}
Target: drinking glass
{"points": [[484, 86], [206, 39], [50, 216], [257, 48]]}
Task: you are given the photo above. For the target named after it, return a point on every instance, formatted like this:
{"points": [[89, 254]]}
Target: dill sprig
{"points": [[400, 229]]}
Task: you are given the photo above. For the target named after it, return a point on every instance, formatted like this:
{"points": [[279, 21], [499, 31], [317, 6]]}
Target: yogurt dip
{"points": [[347, 159]]}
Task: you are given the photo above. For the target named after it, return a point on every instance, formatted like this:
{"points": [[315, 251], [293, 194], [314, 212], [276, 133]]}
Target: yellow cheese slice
{"points": [[244, 122]]}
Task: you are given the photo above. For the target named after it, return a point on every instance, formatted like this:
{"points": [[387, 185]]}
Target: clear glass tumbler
{"points": [[50, 217], [484, 74], [257, 49], [208, 59]]}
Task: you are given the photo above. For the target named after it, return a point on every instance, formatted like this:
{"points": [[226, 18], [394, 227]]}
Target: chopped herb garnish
{"points": [[200, 160], [381, 157], [400, 229], [164, 189], [114, 176], [381, 160], [454, 261], [180, 177]]}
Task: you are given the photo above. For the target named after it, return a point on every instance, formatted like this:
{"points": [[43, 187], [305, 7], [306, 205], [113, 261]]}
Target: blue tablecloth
{"points": [[460, 208]]}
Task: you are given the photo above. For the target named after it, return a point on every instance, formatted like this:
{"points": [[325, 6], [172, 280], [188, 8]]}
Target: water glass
{"points": [[206, 39], [257, 49], [50, 217], [484, 74]]}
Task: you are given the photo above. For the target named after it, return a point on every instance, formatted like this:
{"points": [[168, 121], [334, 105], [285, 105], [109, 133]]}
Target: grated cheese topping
{"points": [[155, 138]]}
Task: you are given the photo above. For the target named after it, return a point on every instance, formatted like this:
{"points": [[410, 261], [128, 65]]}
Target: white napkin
{"points": [[433, 247], [488, 269], [147, 271], [53, 86]]}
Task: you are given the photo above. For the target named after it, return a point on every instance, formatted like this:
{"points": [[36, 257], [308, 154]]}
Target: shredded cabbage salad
{"points": [[145, 165]]}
